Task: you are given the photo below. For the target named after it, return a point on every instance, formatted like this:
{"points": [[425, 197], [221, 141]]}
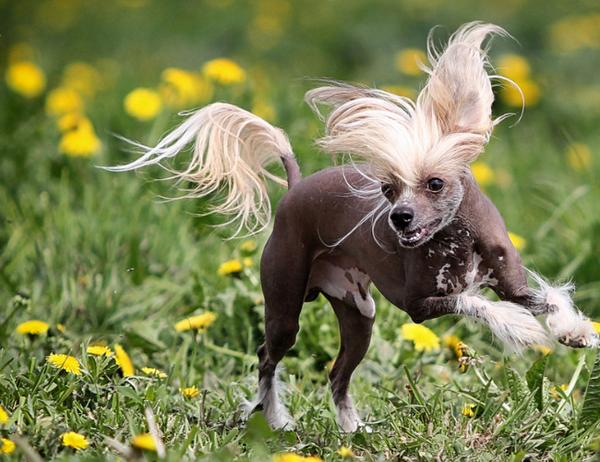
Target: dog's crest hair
{"points": [[441, 133], [231, 150]]}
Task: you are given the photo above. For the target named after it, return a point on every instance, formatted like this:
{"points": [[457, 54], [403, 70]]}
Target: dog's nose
{"points": [[402, 217]]}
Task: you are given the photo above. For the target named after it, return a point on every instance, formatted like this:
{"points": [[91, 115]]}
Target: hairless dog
{"points": [[409, 218]]}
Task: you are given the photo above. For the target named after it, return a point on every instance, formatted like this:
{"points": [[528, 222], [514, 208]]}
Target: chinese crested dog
{"points": [[408, 218]]}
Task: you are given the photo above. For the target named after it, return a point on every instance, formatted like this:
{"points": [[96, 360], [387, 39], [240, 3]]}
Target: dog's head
{"points": [[418, 152]]}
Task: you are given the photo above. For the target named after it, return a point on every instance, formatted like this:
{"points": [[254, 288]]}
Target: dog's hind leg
{"points": [[284, 274], [355, 336]]}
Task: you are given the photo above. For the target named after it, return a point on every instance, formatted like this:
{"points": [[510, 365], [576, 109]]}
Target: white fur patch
{"points": [[274, 410], [347, 416], [566, 323], [513, 324]]}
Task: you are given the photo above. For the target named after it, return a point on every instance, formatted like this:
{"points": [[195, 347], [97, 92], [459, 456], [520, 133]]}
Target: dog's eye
{"points": [[435, 184], [387, 190]]}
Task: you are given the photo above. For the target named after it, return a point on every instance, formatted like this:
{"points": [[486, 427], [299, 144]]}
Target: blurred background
{"points": [[99, 255]]}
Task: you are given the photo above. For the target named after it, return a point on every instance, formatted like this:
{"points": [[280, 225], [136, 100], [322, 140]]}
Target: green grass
{"points": [[98, 253]]}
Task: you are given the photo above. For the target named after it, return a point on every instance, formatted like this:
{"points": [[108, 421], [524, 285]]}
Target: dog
{"points": [[409, 218]]}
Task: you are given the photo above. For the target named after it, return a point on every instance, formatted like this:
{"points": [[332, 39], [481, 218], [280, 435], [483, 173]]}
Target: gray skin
{"points": [[299, 262]]}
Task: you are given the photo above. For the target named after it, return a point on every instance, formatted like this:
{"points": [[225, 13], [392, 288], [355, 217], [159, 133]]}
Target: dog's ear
{"points": [[458, 95]]}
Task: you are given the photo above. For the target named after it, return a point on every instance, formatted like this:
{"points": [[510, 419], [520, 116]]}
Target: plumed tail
{"points": [[231, 151]]}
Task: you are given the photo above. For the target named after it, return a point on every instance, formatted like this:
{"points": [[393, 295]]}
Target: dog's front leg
{"points": [[564, 321]]}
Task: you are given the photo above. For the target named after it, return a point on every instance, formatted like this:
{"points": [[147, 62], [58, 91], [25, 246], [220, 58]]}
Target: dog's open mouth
{"points": [[413, 237]]}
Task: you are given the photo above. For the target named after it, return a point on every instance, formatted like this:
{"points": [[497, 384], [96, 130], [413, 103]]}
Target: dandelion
{"points": [[6, 446], [81, 142], [74, 440], [468, 410], [181, 88], [528, 93], [224, 71], [144, 441], [248, 262], [288, 457], [83, 78], [65, 362], [483, 173], [143, 104], [63, 100], [73, 121], [423, 338], [579, 156], [152, 372], [248, 246], [596, 325], [408, 60], [199, 322], [61, 328], [26, 79], [514, 67], [124, 361], [518, 241], [545, 350], [400, 90], [345, 452], [33, 327], [230, 267], [189, 392], [4, 417], [99, 350]]}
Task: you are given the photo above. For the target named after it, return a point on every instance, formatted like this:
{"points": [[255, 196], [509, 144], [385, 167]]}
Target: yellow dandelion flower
{"points": [[81, 142], [65, 362], [529, 93], [143, 104], [400, 90], [4, 417], [190, 392], [99, 350], [483, 173], [468, 410], [554, 390], [25, 78], [579, 156], [313, 459], [230, 267], [33, 327], [144, 441], [596, 325], [21, 52], [61, 328], [287, 457], [248, 262], [518, 241], [248, 246], [74, 440], [408, 60], [263, 109], [83, 78], [73, 121], [514, 67], [545, 350], [199, 322], [423, 338], [181, 89], [63, 100], [451, 341], [152, 372], [6, 446], [345, 452], [224, 71], [124, 361]]}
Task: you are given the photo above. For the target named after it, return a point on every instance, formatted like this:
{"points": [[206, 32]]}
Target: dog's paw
{"points": [[581, 340], [347, 417]]}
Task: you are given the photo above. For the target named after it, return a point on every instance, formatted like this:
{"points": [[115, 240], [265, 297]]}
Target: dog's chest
{"points": [[450, 264]]}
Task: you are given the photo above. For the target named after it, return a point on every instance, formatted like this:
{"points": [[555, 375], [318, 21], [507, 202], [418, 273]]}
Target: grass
{"points": [[97, 253]]}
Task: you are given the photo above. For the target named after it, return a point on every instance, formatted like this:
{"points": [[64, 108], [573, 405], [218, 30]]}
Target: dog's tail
{"points": [[231, 151]]}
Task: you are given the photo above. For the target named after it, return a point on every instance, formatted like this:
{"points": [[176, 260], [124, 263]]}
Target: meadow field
{"points": [[129, 324]]}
